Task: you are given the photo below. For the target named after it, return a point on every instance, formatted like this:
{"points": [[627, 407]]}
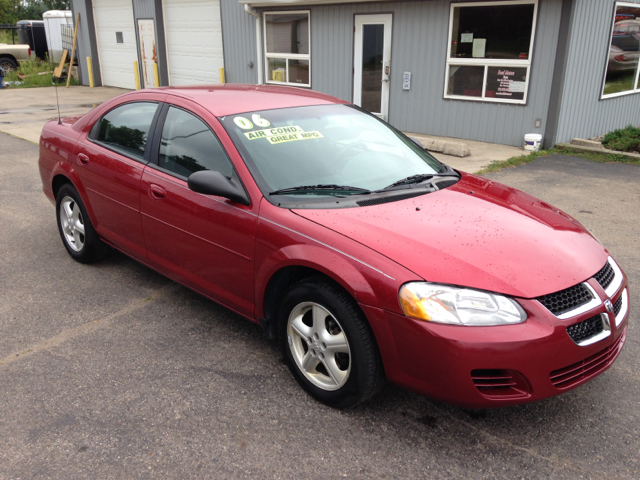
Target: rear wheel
{"points": [[328, 344], [8, 64], [77, 233]]}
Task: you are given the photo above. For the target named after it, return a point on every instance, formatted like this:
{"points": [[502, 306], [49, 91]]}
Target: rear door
{"points": [[204, 241], [109, 163]]}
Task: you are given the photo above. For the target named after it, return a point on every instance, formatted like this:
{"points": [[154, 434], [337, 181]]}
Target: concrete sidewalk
{"points": [[24, 111], [482, 153]]}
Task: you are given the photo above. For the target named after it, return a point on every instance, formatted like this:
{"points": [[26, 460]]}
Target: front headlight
{"points": [[458, 306]]}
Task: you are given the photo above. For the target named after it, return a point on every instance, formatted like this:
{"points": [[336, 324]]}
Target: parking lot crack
{"points": [[85, 328], [553, 460]]}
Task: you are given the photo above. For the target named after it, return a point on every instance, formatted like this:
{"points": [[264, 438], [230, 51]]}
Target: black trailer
{"points": [[32, 32]]}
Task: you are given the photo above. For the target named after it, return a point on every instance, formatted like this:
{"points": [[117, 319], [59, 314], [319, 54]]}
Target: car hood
{"points": [[476, 233]]}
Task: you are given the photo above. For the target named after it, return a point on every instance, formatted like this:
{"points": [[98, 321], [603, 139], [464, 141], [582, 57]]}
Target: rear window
{"points": [[125, 129]]}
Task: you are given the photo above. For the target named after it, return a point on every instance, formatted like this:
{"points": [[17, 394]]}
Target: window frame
{"points": [[490, 62], [285, 56], [145, 160], [636, 88]]}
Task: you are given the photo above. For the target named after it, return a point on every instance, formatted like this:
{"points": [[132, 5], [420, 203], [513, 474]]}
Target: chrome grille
{"points": [[566, 300], [605, 276], [586, 329], [617, 306]]}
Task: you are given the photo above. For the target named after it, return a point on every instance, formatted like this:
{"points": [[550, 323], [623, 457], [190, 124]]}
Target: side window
{"points": [[126, 128], [188, 145]]}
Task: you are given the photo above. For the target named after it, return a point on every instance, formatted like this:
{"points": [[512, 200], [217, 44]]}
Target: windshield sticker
{"points": [[246, 124], [261, 122], [294, 136], [243, 123], [270, 132], [273, 135]]}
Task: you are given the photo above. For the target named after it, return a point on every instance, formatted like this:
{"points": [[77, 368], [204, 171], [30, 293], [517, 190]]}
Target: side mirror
{"points": [[416, 141], [210, 182]]}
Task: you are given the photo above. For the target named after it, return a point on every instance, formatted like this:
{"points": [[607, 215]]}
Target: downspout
{"points": [[251, 11]]}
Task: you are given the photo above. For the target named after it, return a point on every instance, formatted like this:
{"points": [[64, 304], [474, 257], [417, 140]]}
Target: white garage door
{"points": [[117, 45], [194, 41]]}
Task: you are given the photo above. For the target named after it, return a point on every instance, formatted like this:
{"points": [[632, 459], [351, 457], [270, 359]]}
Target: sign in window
{"points": [[490, 48]]}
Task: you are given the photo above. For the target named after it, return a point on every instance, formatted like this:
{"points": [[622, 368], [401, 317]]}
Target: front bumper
{"points": [[485, 367]]}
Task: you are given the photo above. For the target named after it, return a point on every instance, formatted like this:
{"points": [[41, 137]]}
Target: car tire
{"points": [[77, 233], [8, 64], [328, 344]]}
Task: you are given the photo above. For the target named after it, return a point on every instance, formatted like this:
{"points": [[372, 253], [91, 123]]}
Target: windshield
{"points": [[326, 145]]}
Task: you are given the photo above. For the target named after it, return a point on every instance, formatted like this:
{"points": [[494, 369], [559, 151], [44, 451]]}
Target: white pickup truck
{"points": [[12, 55]]}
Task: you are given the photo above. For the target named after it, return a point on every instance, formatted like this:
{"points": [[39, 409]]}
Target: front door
{"points": [[204, 241], [372, 63]]}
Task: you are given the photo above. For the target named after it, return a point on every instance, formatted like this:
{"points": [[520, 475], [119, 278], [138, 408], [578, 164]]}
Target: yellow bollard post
{"points": [[90, 71], [136, 74], [221, 74], [156, 75]]}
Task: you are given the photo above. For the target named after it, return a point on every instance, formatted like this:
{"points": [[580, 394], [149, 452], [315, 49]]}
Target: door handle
{"points": [[156, 192], [83, 159]]}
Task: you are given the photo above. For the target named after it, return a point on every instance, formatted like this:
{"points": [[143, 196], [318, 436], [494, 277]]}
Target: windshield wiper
{"points": [[321, 188], [418, 178]]}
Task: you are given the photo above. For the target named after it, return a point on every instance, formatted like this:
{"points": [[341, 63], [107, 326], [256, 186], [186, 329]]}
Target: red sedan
{"points": [[364, 256]]}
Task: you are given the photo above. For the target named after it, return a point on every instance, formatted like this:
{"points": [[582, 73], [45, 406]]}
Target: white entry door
{"points": [[372, 63], [194, 41], [116, 35]]}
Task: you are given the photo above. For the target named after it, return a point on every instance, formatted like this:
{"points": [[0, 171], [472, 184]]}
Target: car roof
{"points": [[231, 99]]}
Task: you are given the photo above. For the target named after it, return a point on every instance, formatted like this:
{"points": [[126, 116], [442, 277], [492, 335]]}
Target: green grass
{"points": [[523, 159], [31, 69], [516, 161], [623, 140]]}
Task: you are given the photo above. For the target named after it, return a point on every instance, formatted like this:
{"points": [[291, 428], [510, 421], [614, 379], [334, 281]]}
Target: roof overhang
{"points": [[293, 3]]}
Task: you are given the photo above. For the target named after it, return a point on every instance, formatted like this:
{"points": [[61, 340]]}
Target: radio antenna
{"points": [[58, 102]]}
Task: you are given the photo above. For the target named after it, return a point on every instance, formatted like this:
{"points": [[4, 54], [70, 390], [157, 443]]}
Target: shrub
{"points": [[624, 139]]}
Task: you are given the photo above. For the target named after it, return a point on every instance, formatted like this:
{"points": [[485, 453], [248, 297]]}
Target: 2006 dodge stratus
{"points": [[362, 254]]}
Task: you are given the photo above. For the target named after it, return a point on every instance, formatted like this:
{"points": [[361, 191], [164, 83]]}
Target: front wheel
{"points": [[77, 233], [328, 344]]}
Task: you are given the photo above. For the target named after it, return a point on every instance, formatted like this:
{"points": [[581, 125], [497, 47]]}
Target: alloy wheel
{"points": [[72, 223], [319, 346]]}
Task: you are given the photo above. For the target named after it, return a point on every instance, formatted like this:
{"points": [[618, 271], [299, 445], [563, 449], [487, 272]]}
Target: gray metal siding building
{"points": [[583, 113], [570, 48]]}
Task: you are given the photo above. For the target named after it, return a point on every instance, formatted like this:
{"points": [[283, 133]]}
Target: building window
{"points": [[490, 48], [286, 42], [621, 73]]}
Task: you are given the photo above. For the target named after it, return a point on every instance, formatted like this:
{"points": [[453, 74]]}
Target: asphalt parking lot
{"points": [[113, 371]]}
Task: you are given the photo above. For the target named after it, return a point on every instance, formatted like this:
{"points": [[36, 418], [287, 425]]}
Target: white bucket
{"points": [[532, 142]]}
